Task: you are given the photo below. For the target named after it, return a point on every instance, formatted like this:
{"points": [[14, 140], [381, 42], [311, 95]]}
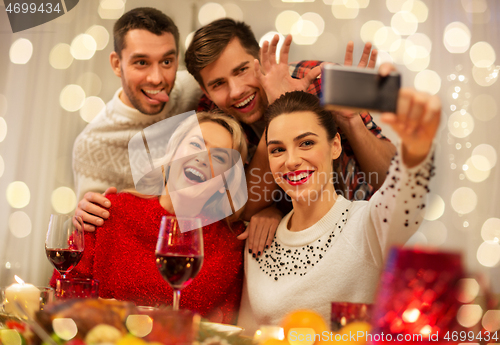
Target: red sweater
{"points": [[121, 255]]}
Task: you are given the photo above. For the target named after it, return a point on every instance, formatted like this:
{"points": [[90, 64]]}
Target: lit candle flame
{"points": [[19, 280]]}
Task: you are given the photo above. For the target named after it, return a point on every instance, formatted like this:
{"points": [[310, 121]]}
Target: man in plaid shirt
{"points": [[223, 58]]}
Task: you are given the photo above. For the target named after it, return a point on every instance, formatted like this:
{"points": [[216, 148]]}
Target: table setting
{"points": [[422, 297]]}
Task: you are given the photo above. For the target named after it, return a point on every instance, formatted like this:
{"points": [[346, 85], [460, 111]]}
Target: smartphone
{"points": [[359, 89]]}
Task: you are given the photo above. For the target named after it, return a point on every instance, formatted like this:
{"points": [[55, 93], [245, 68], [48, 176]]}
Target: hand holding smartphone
{"points": [[359, 89]]}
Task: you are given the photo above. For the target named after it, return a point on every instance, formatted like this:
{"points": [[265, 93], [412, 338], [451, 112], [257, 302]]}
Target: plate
{"points": [[223, 328]]}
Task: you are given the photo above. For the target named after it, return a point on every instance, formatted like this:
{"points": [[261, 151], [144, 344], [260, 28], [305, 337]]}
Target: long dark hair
{"points": [[295, 101]]}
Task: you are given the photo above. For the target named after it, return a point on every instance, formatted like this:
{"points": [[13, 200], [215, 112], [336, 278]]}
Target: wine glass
{"points": [[65, 242], [179, 252]]}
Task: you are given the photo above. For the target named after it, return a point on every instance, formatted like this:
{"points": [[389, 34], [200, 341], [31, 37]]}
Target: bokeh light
{"points": [[285, 20], [63, 200], [304, 32], [64, 328], [417, 8], [209, 12], [419, 45], [485, 76], [460, 124], [60, 56], [384, 57], [484, 107], [18, 194], [490, 231], [491, 320], [111, 9], [233, 11], [415, 64], [20, 224], [139, 325], [463, 200], [385, 38], [456, 37], [484, 157], [100, 35], [3, 129], [90, 83], [83, 47], [488, 253], [189, 39], [469, 289], [474, 6], [428, 81], [469, 315], [482, 54], [369, 29], [341, 11], [394, 5], [434, 231], [91, 108], [21, 51], [316, 19], [72, 97], [473, 174], [434, 207], [404, 23]]}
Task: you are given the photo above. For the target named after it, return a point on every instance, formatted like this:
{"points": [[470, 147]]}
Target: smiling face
{"points": [[147, 68], [230, 83], [301, 154], [202, 156]]}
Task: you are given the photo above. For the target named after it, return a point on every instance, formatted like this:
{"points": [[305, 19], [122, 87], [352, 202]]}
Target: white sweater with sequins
{"points": [[341, 257]]}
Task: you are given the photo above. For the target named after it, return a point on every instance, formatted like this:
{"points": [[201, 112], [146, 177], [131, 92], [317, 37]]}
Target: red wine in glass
{"points": [[179, 252], [64, 260], [178, 270], [64, 243]]}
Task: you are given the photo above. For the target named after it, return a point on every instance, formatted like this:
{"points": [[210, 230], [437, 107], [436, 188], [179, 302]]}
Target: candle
{"points": [[26, 294]]}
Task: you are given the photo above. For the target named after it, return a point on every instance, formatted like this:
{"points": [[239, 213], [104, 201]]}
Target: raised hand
{"points": [[92, 208], [274, 76], [416, 121], [366, 60]]}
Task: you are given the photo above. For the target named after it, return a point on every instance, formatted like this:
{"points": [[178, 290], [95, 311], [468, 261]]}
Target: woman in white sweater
{"points": [[329, 248]]}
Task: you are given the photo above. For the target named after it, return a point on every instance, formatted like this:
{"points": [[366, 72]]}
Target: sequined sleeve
{"points": [[395, 210]]}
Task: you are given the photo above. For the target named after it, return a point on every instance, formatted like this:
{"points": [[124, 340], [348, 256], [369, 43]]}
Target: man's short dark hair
{"points": [[210, 40], [145, 18]]}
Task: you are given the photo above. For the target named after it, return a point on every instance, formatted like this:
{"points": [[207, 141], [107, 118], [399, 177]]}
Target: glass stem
{"points": [[177, 298]]}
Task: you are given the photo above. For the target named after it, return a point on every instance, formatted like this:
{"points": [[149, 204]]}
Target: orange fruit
{"points": [[304, 319]]}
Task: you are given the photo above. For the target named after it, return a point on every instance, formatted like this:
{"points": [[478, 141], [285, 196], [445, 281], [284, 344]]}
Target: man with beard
{"points": [[145, 57]]}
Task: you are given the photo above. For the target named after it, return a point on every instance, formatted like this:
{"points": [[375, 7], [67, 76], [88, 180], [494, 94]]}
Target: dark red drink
{"points": [[178, 270], [64, 259]]}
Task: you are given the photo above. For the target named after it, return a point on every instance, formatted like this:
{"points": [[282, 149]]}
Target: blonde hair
{"points": [[238, 143]]}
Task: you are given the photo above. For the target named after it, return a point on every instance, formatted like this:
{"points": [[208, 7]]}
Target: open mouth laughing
{"points": [[194, 175], [245, 102], [297, 177]]}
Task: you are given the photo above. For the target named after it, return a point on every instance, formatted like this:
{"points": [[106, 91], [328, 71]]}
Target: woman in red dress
{"points": [[121, 253]]}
